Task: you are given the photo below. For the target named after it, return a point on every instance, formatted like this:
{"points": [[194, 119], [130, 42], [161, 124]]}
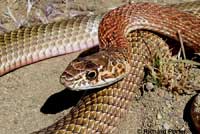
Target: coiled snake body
{"points": [[100, 112]]}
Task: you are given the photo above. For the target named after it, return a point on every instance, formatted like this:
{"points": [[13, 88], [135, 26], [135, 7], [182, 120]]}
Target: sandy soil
{"points": [[32, 97]]}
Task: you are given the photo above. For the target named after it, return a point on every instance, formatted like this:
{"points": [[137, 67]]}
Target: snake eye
{"points": [[90, 75]]}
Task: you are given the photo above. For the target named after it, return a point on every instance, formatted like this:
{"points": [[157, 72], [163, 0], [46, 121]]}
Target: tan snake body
{"points": [[100, 112], [28, 45]]}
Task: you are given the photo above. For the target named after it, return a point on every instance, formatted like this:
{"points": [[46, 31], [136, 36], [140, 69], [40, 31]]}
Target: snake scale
{"points": [[100, 112]]}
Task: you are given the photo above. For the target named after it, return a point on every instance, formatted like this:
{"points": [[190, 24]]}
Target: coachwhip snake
{"points": [[98, 112]]}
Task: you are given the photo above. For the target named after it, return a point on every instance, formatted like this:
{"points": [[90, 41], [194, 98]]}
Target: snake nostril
{"points": [[65, 78]]}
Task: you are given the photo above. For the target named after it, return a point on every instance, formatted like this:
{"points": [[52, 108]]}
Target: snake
{"points": [[128, 37]]}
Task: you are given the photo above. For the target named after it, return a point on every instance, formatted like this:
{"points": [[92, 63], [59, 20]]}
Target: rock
{"points": [[159, 116], [149, 86], [166, 126]]}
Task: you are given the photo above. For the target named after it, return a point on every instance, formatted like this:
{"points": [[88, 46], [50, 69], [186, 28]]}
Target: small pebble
{"points": [[149, 86], [161, 93], [169, 105], [166, 126], [182, 129], [159, 116]]}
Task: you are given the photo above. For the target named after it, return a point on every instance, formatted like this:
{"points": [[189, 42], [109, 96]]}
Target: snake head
{"points": [[95, 71]]}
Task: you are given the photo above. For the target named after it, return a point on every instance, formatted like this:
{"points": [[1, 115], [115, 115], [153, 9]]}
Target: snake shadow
{"points": [[61, 101], [64, 99]]}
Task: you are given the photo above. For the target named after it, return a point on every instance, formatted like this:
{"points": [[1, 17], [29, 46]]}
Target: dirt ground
{"points": [[32, 98]]}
